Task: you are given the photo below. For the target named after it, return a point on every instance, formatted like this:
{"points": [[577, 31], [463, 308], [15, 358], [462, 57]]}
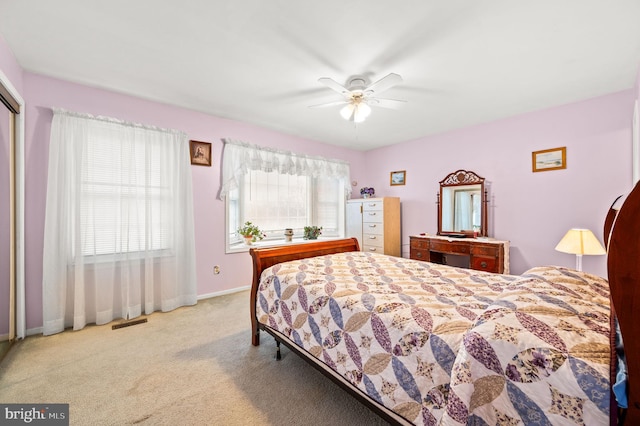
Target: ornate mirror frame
{"points": [[468, 179]]}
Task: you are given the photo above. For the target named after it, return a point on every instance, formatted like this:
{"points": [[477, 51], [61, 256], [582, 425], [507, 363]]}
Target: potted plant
{"points": [[312, 232], [250, 233]]}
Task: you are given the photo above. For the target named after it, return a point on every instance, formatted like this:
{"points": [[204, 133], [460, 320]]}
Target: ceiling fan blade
{"points": [[328, 104], [332, 84], [383, 84], [386, 103]]}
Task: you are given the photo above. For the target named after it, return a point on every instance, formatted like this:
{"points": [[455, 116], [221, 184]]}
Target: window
{"points": [[124, 199], [119, 232], [275, 202], [277, 190]]}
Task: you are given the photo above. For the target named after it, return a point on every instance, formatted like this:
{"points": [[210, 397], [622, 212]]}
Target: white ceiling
{"points": [[463, 62]]}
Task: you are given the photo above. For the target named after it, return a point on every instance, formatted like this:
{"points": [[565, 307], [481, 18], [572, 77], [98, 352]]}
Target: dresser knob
{"points": [[483, 264], [372, 237], [419, 254], [372, 249]]}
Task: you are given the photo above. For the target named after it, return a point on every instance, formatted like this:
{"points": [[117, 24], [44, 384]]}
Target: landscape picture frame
{"points": [[549, 159], [398, 178]]}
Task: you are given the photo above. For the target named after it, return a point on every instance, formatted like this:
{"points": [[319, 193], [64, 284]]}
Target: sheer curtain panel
{"points": [[119, 234]]}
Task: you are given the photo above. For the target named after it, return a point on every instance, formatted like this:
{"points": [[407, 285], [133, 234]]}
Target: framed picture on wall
{"points": [[398, 178], [200, 153], [549, 159]]}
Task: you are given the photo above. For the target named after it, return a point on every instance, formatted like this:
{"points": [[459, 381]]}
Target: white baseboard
{"points": [[38, 330], [32, 331], [224, 292]]}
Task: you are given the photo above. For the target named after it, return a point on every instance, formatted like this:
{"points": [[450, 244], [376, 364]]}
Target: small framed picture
{"points": [[200, 153], [398, 178], [549, 159]]}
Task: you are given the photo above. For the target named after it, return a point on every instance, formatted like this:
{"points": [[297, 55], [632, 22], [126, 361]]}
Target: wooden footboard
{"points": [[263, 258]]}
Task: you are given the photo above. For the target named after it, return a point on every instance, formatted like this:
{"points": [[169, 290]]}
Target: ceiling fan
{"points": [[359, 98]]}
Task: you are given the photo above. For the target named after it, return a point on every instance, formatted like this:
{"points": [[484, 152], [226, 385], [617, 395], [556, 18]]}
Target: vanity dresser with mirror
{"points": [[462, 238]]}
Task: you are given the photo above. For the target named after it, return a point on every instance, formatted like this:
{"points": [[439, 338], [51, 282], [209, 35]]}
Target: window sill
{"points": [[242, 247], [155, 255]]}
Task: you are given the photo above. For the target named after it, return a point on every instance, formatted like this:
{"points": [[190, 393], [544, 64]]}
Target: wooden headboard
{"points": [[263, 258], [623, 268]]}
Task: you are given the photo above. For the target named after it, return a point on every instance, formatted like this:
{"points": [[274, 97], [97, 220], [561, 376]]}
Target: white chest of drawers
{"points": [[375, 222]]}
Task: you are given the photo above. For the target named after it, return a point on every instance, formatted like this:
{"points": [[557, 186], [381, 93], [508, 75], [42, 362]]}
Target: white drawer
{"points": [[373, 249], [372, 240], [368, 206], [373, 228], [372, 216]]}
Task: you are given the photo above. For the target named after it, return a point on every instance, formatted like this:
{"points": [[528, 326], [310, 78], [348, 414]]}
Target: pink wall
{"points": [[531, 210], [9, 66], [42, 93]]}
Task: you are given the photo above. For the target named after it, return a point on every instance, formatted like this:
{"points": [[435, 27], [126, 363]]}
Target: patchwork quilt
{"points": [[450, 346]]}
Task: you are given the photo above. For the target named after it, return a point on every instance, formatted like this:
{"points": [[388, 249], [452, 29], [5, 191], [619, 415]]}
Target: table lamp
{"points": [[580, 241]]}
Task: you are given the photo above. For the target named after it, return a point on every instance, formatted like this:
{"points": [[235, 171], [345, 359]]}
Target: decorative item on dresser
{"points": [[375, 222], [480, 254], [367, 192]]}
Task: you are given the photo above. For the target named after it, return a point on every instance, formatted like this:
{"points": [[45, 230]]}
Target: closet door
{"points": [[6, 217], [9, 108]]}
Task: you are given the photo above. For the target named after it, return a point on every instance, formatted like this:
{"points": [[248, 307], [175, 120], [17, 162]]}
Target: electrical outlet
{"points": [[216, 270]]}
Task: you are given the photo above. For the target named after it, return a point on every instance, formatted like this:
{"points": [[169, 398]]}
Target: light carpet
{"points": [[191, 366]]}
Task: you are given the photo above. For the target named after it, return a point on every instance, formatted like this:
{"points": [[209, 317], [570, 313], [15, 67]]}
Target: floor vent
{"points": [[128, 323]]}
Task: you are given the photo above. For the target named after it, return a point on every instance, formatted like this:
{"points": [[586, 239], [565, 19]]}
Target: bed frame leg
{"points": [[278, 356]]}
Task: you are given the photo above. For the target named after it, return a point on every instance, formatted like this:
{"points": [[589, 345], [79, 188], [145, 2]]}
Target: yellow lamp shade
{"points": [[580, 241]]}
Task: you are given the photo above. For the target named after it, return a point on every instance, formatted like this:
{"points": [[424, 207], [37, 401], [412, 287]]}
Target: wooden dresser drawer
{"points": [[478, 254], [419, 243], [449, 247], [419, 254], [485, 250], [488, 264]]}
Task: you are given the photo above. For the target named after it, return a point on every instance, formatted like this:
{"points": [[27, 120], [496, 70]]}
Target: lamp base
{"points": [[579, 262]]}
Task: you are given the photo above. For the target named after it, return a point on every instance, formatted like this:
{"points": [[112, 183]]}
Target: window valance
{"points": [[240, 157]]}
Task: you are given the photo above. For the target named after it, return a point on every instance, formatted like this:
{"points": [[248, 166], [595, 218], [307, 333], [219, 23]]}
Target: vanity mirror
{"points": [[462, 205]]}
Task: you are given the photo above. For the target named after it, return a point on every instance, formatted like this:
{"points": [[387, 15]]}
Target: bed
{"points": [[422, 343]]}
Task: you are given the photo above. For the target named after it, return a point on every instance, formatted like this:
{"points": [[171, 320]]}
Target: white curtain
{"points": [[463, 211], [119, 234], [239, 157]]}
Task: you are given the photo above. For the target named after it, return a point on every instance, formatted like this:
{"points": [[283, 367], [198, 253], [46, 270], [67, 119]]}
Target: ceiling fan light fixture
{"points": [[356, 112], [361, 112], [358, 96], [347, 111]]}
